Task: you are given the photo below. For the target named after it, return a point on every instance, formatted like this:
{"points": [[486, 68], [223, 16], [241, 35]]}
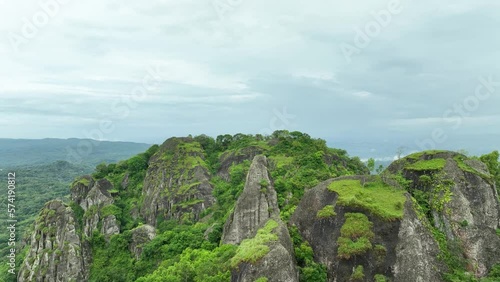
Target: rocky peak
{"points": [[177, 183], [257, 204], [56, 251], [463, 203], [81, 187], [140, 236], [256, 221]]}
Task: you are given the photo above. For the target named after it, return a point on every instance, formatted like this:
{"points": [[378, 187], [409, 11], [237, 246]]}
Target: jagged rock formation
{"points": [[431, 216], [255, 208], [56, 252], [229, 159], [454, 198], [93, 203], [466, 210], [177, 183], [416, 250], [140, 236]]}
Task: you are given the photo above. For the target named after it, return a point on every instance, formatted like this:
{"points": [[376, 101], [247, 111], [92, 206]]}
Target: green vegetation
{"points": [[380, 278], [492, 162], [376, 197], [309, 270], [427, 165], [185, 250], [326, 212], [252, 250], [358, 274], [262, 279], [356, 235], [417, 156]]}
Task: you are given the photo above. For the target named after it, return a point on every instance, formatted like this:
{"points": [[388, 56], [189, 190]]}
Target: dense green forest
{"points": [[43, 174], [22, 152]]}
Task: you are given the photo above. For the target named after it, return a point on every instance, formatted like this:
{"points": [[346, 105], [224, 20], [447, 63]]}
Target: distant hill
{"points": [[21, 152]]}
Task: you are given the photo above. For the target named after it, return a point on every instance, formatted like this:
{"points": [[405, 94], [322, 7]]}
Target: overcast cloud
{"points": [[229, 66]]}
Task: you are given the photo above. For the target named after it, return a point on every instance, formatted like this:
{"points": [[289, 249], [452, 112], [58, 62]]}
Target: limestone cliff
{"points": [[254, 215], [57, 253], [177, 183], [437, 222]]}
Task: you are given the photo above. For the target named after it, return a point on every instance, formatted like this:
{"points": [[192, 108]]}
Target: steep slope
{"points": [[177, 183], [432, 216], [196, 209], [57, 252], [265, 247]]}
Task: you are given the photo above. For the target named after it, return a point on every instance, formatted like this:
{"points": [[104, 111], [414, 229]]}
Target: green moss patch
{"points": [[376, 197], [358, 274], [380, 278], [262, 279], [425, 165], [326, 212], [252, 250], [356, 235], [460, 160], [82, 181], [416, 156]]}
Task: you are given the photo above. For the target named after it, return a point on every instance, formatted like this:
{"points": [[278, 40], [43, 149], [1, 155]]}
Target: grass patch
{"points": [[356, 235], [326, 212], [84, 181], [460, 160], [376, 197], [423, 165], [262, 279], [358, 274], [380, 278], [252, 250], [417, 156]]}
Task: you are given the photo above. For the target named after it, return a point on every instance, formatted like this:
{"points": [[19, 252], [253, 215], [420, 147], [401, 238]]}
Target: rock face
{"points": [[231, 158], [416, 250], [56, 252], [177, 183], [277, 265], [140, 236], [323, 234], [254, 208], [93, 203], [446, 195], [467, 210]]}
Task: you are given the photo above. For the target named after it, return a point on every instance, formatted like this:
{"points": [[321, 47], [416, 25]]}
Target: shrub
{"points": [[356, 235], [326, 212], [358, 274]]}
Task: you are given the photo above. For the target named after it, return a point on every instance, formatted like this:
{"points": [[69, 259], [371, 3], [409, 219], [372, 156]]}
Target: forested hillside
{"points": [[264, 208]]}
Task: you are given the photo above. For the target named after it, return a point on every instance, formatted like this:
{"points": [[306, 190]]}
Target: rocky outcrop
{"points": [[449, 198], [323, 235], [177, 183], [257, 206], [465, 207], [140, 236], [81, 187], [56, 252], [416, 250], [277, 265], [93, 202], [231, 158]]}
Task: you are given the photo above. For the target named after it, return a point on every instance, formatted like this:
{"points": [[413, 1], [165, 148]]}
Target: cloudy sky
{"points": [[365, 75]]}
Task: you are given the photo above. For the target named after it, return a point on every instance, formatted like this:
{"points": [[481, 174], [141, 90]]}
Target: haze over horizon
{"points": [[367, 76]]}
